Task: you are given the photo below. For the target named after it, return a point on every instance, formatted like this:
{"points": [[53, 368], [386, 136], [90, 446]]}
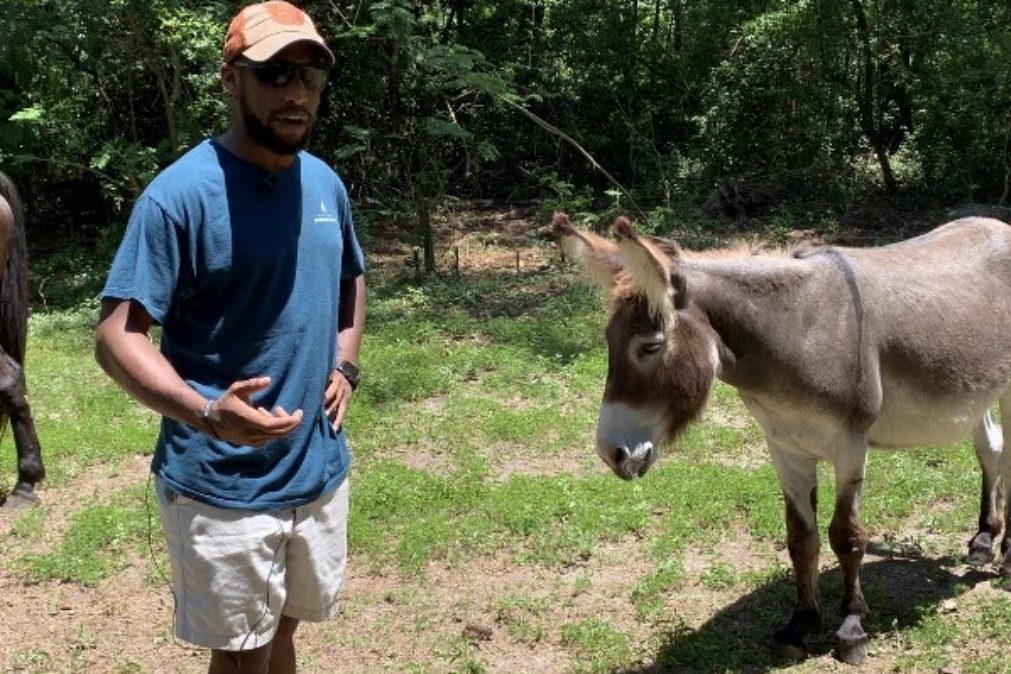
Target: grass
{"points": [[94, 543], [472, 438]]}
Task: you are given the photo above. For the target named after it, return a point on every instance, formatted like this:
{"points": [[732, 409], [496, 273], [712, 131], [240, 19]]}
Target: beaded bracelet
{"points": [[206, 416]]}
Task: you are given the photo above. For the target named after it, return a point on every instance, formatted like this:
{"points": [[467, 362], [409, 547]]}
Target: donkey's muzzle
{"points": [[629, 464]]}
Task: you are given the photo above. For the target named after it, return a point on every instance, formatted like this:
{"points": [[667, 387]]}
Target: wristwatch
{"points": [[350, 372]]}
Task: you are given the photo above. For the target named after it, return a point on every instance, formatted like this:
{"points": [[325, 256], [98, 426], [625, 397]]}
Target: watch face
{"points": [[350, 372]]}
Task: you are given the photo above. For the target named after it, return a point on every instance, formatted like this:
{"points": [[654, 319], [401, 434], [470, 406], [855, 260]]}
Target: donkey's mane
{"points": [[742, 250]]}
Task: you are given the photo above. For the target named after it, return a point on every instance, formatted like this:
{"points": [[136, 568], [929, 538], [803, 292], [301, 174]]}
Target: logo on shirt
{"points": [[324, 214]]}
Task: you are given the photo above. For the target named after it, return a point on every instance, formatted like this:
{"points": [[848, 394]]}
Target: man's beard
{"points": [[261, 132]]}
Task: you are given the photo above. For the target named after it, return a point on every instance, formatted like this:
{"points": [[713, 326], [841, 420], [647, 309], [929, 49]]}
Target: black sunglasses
{"points": [[281, 73]]}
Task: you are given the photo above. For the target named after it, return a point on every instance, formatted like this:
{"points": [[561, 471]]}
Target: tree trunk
{"points": [[423, 209], [678, 22], [866, 95]]}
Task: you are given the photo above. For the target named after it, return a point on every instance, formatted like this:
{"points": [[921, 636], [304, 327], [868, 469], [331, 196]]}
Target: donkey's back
{"points": [[936, 312]]}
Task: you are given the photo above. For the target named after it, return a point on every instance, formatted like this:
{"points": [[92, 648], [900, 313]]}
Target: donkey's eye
{"points": [[650, 347]]}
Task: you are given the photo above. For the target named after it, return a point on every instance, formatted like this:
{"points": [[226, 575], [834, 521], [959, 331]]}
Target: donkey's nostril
{"points": [[642, 459], [643, 452], [619, 455]]}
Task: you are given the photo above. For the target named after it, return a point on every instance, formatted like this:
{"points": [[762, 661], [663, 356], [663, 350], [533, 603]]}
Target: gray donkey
{"points": [[832, 350]]}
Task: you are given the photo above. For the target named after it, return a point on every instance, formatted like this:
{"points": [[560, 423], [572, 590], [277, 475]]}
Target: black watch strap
{"points": [[350, 372]]}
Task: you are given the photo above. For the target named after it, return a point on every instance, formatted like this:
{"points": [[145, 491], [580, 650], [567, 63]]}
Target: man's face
{"points": [[279, 117]]}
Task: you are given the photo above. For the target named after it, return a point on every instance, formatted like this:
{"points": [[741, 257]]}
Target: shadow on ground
{"points": [[901, 592]]}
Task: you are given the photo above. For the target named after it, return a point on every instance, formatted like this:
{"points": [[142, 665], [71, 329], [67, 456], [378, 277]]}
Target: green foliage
{"points": [[112, 90], [430, 91], [777, 108], [816, 105], [523, 618], [954, 113], [651, 592]]}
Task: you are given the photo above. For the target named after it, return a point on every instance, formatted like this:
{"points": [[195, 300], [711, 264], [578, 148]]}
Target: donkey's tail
{"points": [[14, 283]]}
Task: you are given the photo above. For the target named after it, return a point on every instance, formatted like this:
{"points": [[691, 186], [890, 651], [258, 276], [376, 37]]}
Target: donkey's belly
{"points": [[911, 417]]}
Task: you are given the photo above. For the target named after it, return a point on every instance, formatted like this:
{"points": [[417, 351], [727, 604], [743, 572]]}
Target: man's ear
{"points": [[229, 79]]}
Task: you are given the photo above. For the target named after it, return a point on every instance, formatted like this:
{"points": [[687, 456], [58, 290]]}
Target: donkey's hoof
{"points": [[790, 641], [802, 623], [980, 550], [979, 557], [851, 654], [21, 497], [851, 642]]}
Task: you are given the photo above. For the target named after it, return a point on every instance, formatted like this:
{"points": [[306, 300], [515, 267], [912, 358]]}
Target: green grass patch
{"points": [[650, 594], [597, 645], [524, 618], [95, 543]]}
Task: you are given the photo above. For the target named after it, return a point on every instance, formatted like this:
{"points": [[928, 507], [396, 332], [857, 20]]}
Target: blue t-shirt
{"points": [[242, 269]]}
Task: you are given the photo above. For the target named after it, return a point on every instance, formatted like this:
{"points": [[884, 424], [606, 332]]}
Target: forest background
{"points": [[798, 113]]}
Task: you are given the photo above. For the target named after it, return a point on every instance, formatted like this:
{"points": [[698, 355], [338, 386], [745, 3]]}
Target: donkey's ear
{"points": [[597, 257], [669, 246], [679, 287], [652, 270]]}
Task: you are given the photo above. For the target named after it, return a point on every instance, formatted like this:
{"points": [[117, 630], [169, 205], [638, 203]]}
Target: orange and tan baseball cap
{"points": [[260, 31]]}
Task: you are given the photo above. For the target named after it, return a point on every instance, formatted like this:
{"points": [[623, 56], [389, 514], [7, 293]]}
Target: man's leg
{"points": [[282, 654], [253, 661], [247, 549]]}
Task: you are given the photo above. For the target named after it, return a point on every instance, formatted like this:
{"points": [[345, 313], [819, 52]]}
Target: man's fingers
{"points": [[270, 427], [247, 387], [280, 419], [338, 416]]}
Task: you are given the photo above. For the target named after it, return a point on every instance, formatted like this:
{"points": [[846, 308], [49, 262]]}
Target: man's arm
{"points": [[124, 349], [350, 327], [351, 318]]}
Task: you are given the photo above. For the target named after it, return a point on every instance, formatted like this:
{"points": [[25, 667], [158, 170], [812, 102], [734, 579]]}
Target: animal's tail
{"points": [[14, 284]]}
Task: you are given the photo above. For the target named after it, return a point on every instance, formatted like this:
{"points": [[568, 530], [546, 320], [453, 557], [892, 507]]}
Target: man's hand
{"points": [[336, 398], [234, 418]]}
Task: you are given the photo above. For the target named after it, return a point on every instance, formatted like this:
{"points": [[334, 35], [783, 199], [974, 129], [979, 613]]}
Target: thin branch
{"points": [[550, 128]]}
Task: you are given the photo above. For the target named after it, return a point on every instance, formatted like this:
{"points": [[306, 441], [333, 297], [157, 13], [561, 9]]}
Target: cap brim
{"points": [[268, 47]]}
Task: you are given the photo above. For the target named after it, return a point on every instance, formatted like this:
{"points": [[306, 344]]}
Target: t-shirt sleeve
{"points": [[146, 266], [353, 262]]}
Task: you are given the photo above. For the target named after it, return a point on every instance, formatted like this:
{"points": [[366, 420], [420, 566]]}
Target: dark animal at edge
{"points": [[14, 407], [832, 350]]}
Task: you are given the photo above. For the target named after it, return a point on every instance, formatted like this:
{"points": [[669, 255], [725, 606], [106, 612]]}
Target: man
{"points": [[243, 251]]}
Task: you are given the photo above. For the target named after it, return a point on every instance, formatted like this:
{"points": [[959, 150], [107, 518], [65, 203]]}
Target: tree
{"points": [[112, 89], [426, 91]]}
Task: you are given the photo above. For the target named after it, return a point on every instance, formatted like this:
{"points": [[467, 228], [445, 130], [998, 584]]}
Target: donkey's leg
{"points": [[988, 441], [1004, 468], [799, 480], [849, 540], [14, 399]]}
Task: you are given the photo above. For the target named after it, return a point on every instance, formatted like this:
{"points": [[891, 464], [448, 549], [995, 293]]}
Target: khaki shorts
{"points": [[235, 572]]}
